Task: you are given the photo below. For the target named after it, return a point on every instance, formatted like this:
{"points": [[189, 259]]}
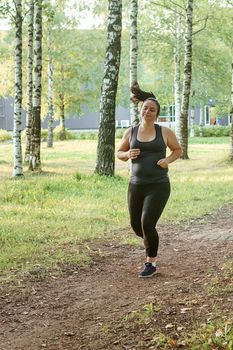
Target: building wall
{"points": [[7, 116], [89, 121]]}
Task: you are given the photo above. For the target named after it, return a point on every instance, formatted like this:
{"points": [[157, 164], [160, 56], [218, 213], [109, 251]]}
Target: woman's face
{"points": [[149, 110]]}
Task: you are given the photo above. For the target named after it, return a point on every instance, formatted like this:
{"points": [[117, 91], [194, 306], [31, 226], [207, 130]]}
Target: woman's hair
{"points": [[141, 96]]}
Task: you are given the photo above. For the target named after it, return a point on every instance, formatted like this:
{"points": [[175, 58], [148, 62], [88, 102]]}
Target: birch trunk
{"points": [[177, 92], [34, 162], [201, 123], [62, 111], [133, 57], [192, 117], [105, 164], [231, 152], [187, 80], [18, 168], [50, 94], [29, 84]]}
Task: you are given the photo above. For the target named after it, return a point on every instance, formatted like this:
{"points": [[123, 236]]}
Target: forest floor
{"points": [[106, 306]]}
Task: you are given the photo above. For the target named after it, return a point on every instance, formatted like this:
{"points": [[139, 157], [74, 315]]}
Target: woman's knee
{"points": [[148, 227], [137, 229]]}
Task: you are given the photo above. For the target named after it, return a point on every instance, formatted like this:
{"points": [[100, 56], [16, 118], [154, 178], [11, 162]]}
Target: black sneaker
{"points": [[148, 271]]}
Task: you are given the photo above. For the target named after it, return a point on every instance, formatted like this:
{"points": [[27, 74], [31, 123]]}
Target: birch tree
{"points": [[133, 56], [105, 164], [187, 80], [177, 91], [18, 168], [50, 92], [231, 152], [35, 162], [29, 92]]}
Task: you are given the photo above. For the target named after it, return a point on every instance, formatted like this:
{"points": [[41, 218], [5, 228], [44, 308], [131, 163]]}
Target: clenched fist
{"points": [[133, 153], [163, 163]]}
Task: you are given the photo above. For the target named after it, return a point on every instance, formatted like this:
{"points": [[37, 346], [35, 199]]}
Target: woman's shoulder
{"points": [[166, 130]]}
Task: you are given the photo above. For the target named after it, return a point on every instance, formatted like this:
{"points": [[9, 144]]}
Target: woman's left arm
{"points": [[172, 142]]}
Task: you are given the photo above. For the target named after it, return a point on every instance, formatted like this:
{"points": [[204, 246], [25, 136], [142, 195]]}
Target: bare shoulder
{"points": [[167, 131], [127, 133]]}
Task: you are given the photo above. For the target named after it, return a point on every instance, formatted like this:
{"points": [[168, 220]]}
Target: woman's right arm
{"points": [[124, 152]]}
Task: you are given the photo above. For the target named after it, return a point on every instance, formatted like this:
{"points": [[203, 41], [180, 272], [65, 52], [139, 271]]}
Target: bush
{"points": [[92, 135], [44, 134], [213, 131], [5, 135], [120, 133], [60, 134]]}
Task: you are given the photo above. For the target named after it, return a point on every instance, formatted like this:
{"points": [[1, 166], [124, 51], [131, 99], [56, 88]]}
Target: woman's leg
{"points": [[156, 197], [135, 204]]}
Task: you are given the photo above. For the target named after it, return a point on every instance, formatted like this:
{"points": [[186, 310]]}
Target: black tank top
{"points": [[144, 169]]}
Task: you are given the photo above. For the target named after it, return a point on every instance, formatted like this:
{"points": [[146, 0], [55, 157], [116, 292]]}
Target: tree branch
{"points": [[174, 3], [204, 27], [168, 8]]}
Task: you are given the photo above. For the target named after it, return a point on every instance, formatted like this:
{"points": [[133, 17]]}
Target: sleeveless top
{"points": [[144, 169]]}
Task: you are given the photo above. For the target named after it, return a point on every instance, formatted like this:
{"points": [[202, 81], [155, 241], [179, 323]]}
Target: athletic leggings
{"points": [[146, 204]]}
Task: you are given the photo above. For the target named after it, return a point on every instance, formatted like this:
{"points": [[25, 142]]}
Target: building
{"points": [[90, 120]]}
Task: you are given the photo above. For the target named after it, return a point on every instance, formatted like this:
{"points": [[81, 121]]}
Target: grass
{"points": [[47, 218]]}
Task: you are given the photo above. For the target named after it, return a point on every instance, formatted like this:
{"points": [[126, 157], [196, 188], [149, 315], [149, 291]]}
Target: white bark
{"points": [[35, 162], [133, 56], [187, 79], [177, 92], [105, 164], [18, 168], [50, 94], [231, 152], [29, 83], [201, 123], [192, 117]]}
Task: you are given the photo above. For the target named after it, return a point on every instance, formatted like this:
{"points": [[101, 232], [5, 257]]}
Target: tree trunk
{"points": [[50, 94], [231, 152], [187, 79], [34, 162], [133, 57], [18, 168], [192, 117], [177, 91], [62, 111], [29, 84], [201, 122], [105, 164]]}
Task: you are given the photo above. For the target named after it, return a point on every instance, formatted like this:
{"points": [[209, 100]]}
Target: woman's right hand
{"points": [[133, 153]]}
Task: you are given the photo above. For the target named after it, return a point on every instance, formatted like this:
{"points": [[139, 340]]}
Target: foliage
{"points": [[214, 131], [60, 134], [5, 135]]}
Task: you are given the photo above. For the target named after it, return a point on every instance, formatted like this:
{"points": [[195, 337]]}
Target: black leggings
{"points": [[146, 204]]}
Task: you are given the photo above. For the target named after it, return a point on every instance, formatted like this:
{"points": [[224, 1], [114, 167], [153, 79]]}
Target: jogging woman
{"points": [[149, 187]]}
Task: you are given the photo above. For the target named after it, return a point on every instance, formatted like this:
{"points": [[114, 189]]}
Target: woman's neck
{"points": [[147, 124]]}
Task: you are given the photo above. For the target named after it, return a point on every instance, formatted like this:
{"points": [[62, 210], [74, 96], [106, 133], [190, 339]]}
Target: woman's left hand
{"points": [[163, 163]]}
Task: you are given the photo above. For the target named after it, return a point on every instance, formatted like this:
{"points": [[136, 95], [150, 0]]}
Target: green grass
{"points": [[47, 218]]}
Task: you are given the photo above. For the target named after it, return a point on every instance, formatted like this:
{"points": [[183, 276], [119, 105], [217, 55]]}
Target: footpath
{"points": [[107, 307]]}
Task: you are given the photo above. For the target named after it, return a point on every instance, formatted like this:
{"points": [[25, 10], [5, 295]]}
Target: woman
{"points": [[149, 186]]}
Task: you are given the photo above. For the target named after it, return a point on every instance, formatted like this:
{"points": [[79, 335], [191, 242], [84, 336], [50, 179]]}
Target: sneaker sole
{"points": [[147, 276]]}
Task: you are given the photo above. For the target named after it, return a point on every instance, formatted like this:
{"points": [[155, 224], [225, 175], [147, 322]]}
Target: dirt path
{"points": [[86, 308]]}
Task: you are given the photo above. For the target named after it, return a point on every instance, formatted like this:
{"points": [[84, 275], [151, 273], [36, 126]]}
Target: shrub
{"points": [[5, 135], [60, 134], [120, 133], [90, 135], [213, 131]]}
